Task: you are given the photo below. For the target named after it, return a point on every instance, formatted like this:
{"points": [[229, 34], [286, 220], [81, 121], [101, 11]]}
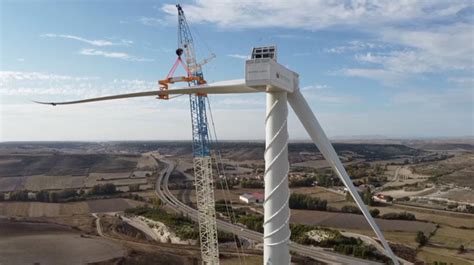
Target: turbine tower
{"points": [[265, 75]]}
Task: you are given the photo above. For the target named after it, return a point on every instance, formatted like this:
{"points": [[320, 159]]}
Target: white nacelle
{"points": [[265, 72]]}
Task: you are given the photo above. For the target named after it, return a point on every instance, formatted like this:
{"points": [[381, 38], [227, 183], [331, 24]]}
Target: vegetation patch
{"points": [[303, 201], [183, 226]]}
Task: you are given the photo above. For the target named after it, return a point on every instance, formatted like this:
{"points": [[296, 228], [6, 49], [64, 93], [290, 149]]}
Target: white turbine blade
{"points": [[312, 126], [225, 87], [130, 95]]}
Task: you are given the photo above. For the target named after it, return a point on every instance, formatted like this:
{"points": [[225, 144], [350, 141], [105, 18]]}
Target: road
{"points": [[142, 226], [176, 205]]}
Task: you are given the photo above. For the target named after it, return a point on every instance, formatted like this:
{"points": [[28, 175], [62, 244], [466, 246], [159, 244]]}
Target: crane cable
{"points": [[218, 161]]}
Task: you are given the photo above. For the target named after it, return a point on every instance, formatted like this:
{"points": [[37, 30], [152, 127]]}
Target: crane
{"points": [[201, 145]]}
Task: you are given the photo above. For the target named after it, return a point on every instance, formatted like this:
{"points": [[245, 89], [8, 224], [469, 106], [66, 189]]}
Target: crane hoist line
{"points": [[200, 134]]}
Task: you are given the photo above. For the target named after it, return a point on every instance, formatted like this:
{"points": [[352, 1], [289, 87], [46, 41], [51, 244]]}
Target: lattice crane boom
{"points": [[201, 148]]}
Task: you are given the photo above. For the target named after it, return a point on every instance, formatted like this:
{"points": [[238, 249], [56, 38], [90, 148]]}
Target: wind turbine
{"points": [[263, 74]]}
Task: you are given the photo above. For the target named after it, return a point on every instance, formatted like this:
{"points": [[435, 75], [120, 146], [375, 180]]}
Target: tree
{"points": [[21, 195], [421, 238], [53, 197], [374, 212], [399, 216], [66, 194], [251, 184], [303, 201], [461, 249], [103, 189], [134, 187], [350, 209], [42, 196], [368, 200]]}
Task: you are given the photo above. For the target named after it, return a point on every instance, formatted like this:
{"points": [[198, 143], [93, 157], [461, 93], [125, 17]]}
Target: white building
{"points": [[254, 197]]}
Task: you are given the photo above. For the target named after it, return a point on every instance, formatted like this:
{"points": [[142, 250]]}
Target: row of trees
{"points": [[63, 196], [254, 222], [376, 213], [367, 197], [328, 180], [359, 251], [103, 189], [303, 201], [251, 184], [302, 182]]}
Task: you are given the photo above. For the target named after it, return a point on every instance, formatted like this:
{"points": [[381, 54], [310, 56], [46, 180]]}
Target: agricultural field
{"points": [[439, 217], [393, 168], [457, 170], [40, 209], [356, 221], [48, 170], [41, 243]]}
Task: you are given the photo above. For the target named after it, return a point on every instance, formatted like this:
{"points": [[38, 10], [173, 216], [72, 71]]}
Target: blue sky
{"points": [[391, 68]]}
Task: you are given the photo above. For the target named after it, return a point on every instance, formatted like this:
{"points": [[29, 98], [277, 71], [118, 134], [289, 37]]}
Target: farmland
{"points": [[39, 243], [55, 170], [39, 209], [399, 169], [354, 221]]}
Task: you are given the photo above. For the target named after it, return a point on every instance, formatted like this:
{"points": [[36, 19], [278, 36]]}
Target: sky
{"points": [[399, 69]]}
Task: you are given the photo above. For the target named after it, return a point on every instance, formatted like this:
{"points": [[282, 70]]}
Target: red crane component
{"points": [[164, 83]]}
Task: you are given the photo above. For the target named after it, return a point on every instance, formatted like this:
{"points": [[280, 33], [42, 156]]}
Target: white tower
{"points": [[264, 73]]}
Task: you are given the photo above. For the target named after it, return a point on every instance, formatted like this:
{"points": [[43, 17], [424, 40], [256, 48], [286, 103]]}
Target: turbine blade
{"points": [[312, 126], [226, 87]]}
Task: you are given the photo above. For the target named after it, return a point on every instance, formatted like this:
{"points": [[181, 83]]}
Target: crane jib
{"points": [[202, 160]]}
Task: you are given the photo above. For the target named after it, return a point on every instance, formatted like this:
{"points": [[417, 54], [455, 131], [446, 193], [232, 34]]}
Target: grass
{"points": [[442, 218], [430, 255], [320, 193], [404, 238], [453, 237]]}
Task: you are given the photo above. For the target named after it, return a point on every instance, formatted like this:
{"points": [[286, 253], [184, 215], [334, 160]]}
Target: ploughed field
{"points": [[57, 171], [41, 243], [39, 209], [357, 221], [64, 164]]}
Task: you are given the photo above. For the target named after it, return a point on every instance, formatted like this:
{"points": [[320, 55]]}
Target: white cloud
{"points": [[355, 45], [151, 21], [292, 36], [6, 76], [463, 81], [33, 84], [385, 76], [432, 50], [313, 15], [20, 59], [430, 98], [115, 55], [91, 42], [239, 56], [323, 94], [440, 47], [424, 36]]}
